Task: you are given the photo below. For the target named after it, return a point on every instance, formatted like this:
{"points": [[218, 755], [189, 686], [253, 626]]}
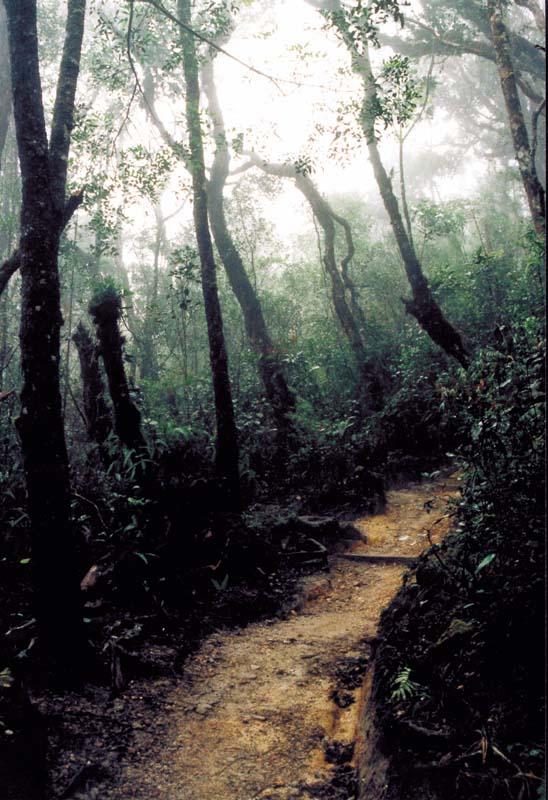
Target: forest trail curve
{"points": [[267, 711]]}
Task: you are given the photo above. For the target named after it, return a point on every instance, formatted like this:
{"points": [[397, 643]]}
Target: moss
{"points": [[106, 304]]}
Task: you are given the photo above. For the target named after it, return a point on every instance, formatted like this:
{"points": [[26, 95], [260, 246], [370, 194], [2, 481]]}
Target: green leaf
{"points": [[25, 561], [135, 501], [6, 678], [485, 561]]}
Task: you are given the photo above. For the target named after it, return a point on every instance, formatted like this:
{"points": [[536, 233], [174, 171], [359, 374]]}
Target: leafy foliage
{"points": [[404, 687], [398, 92], [473, 607]]}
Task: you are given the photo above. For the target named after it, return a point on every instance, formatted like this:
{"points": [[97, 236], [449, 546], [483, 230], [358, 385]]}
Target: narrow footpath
{"points": [[271, 711]]}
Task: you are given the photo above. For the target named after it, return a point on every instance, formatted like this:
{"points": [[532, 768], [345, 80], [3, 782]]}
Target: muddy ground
{"points": [[270, 711]]}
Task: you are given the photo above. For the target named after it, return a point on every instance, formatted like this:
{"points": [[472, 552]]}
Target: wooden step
{"points": [[376, 558]]}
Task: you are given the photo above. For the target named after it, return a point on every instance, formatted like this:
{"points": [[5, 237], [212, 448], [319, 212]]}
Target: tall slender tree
{"points": [[520, 137], [281, 398], [227, 438], [5, 88], [278, 393], [43, 212]]}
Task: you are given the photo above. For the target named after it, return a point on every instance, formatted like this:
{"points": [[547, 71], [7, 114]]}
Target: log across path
{"points": [[271, 711]]}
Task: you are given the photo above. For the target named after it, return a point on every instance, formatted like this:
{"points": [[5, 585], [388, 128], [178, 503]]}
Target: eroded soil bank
{"points": [[271, 711]]}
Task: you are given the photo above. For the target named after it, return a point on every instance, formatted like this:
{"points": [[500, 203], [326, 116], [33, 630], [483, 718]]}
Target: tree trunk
{"points": [[5, 89], [147, 347], [371, 383], [340, 281], [96, 410], [40, 426], [106, 310], [227, 440], [520, 137], [278, 393], [13, 263], [423, 305]]}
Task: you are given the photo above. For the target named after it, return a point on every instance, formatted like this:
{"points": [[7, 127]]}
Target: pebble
{"points": [[203, 708]]}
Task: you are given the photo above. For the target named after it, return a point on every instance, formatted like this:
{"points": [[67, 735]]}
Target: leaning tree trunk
{"points": [[97, 414], [279, 395], [227, 439], [40, 425], [520, 137], [105, 310], [422, 305]]}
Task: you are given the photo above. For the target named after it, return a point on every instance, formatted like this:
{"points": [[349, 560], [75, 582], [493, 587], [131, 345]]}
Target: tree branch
{"points": [[63, 111], [163, 10], [476, 48], [12, 264]]}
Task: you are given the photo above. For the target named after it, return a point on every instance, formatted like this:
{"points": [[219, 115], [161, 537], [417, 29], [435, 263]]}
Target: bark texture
{"points": [[227, 440], [520, 137], [40, 425], [96, 411], [106, 310], [279, 395]]}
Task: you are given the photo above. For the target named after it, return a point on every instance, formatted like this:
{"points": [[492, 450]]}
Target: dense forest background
{"points": [[260, 259]]}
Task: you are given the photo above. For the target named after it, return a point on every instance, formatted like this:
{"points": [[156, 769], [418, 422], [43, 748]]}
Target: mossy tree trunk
{"points": [[44, 172], [99, 423], [520, 137], [106, 311], [227, 439]]}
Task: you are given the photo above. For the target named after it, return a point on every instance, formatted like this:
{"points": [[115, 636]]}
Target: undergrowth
{"points": [[459, 681]]}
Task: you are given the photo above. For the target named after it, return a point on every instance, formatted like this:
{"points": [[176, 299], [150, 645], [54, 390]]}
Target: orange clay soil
{"points": [[259, 712]]}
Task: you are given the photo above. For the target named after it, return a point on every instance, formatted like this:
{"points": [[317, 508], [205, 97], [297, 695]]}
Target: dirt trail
{"points": [[260, 713]]}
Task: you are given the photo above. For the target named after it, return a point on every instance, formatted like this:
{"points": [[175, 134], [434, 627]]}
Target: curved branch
{"points": [[352, 324], [447, 46]]}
